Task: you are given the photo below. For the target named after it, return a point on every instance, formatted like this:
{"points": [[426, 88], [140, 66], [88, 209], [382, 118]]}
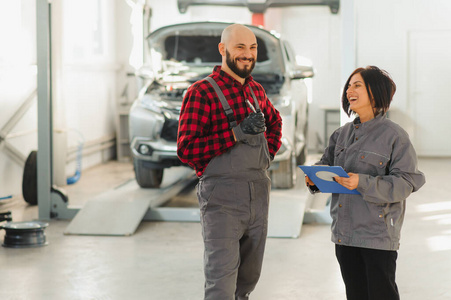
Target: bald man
{"points": [[229, 132]]}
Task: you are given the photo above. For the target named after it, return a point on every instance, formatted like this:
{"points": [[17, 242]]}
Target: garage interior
{"points": [[139, 243]]}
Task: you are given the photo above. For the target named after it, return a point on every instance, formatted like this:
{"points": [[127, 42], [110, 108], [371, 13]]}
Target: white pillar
{"points": [[348, 46]]}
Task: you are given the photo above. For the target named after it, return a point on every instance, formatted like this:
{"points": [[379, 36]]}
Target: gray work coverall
{"points": [[233, 194]]}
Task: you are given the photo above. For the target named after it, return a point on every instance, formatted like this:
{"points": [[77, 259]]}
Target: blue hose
{"points": [[73, 179], [7, 197]]}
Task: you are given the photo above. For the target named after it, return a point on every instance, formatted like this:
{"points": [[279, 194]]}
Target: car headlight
{"points": [[280, 101], [153, 102]]}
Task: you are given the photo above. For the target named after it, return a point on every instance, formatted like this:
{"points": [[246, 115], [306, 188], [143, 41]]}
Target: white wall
{"points": [[84, 79], [17, 81], [316, 34], [383, 30]]}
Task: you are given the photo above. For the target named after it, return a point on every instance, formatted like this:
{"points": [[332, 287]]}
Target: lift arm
{"points": [[259, 6]]}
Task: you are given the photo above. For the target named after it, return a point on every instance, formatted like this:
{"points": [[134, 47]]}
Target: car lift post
{"points": [[51, 201]]}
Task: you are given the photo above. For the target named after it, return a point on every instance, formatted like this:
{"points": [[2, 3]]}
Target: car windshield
{"points": [[191, 50]]}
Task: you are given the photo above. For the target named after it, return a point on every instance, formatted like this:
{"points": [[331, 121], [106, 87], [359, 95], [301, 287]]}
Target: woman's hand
{"points": [[350, 182], [308, 181]]}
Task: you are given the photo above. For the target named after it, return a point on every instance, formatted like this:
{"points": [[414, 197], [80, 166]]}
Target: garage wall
{"points": [[411, 40], [84, 80], [17, 83], [315, 33], [85, 76]]}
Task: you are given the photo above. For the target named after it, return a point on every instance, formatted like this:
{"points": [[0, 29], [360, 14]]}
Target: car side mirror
{"points": [[301, 72]]}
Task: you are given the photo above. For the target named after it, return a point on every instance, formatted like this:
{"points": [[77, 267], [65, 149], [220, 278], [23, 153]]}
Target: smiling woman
{"points": [[382, 166]]}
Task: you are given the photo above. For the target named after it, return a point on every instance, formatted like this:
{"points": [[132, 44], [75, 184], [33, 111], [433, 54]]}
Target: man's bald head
{"points": [[235, 30]]}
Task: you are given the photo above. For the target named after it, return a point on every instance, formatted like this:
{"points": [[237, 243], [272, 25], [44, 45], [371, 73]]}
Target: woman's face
{"points": [[359, 100]]}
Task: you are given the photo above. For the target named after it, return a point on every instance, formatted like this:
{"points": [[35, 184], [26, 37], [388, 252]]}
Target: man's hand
{"points": [[350, 182], [253, 124]]}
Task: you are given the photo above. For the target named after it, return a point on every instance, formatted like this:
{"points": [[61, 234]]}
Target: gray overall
{"points": [[233, 195]]}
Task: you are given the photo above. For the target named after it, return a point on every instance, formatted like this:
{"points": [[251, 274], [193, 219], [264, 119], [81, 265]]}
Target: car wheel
{"points": [[302, 157], [147, 177], [30, 179], [284, 177]]}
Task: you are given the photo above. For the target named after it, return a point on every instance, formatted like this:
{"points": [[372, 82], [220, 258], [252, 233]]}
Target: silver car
{"points": [[180, 55]]}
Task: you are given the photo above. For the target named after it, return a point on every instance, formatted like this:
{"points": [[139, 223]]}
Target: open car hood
{"points": [[190, 50]]}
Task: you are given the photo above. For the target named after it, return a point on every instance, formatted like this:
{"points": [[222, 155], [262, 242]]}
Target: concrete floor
{"points": [[163, 260]]}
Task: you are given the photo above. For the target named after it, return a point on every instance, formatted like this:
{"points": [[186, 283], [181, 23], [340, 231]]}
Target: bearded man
{"points": [[229, 132]]}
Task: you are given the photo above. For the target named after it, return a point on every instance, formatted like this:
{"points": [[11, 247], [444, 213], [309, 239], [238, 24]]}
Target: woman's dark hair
{"points": [[379, 85]]}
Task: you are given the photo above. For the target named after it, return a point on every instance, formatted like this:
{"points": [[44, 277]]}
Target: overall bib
{"points": [[233, 195]]}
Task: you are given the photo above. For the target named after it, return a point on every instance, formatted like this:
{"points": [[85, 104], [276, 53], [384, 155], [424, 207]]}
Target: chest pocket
{"points": [[339, 155], [373, 163]]}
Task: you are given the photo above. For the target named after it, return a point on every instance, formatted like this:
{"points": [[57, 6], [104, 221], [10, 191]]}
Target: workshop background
{"points": [[96, 47], [97, 43]]}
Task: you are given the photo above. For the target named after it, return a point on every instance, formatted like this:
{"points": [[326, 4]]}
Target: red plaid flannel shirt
{"points": [[204, 131]]}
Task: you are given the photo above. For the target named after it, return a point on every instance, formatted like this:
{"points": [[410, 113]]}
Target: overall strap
{"points": [[257, 107], [225, 105]]}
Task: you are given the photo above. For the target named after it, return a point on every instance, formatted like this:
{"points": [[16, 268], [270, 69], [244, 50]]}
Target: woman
{"points": [[382, 165]]}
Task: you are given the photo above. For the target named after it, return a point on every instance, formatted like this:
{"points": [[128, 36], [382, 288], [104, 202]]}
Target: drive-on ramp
{"points": [[119, 211]]}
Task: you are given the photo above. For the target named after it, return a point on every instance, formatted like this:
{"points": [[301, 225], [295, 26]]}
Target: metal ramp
{"points": [[119, 211], [286, 213]]}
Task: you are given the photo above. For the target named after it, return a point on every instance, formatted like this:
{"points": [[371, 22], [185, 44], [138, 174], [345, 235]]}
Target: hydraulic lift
{"points": [[53, 202]]}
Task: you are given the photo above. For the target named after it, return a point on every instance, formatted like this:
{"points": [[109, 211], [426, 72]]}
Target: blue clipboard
{"points": [[322, 178]]}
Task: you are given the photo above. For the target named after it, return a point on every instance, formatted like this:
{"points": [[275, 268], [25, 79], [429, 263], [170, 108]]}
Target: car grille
{"points": [[169, 131]]}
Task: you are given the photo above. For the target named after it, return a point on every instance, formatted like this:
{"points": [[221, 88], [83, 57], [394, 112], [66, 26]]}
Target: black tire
{"points": [[302, 157], [284, 177], [145, 176], [30, 179]]}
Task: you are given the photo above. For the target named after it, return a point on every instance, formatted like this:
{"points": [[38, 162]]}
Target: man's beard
{"points": [[232, 64]]}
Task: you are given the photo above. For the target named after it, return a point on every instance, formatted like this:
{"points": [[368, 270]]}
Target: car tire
{"points": [[284, 177], [145, 176], [30, 179], [302, 157]]}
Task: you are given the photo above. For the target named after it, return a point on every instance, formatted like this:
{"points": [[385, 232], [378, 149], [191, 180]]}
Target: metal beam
{"points": [[259, 6], [43, 78], [17, 116], [13, 152], [51, 201]]}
